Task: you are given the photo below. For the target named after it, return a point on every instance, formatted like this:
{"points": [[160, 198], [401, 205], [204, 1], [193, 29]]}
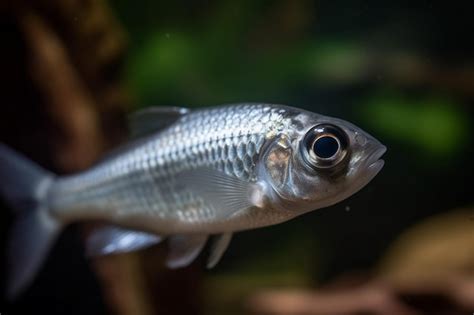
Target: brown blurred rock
{"points": [[438, 248], [429, 270]]}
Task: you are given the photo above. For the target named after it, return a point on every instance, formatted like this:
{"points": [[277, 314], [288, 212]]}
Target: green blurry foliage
{"points": [[179, 67], [227, 53], [433, 126], [335, 60]]}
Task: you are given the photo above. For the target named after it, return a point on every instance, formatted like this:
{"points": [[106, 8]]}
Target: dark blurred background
{"points": [[401, 70]]}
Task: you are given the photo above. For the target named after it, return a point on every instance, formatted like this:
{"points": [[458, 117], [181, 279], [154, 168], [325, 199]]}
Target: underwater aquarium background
{"points": [[401, 70]]}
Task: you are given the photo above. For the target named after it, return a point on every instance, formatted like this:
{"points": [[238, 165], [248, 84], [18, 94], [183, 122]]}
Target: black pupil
{"points": [[326, 147]]}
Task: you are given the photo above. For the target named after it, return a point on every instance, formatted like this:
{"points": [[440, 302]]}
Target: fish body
{"points": [[190, 174], [147, 185]]}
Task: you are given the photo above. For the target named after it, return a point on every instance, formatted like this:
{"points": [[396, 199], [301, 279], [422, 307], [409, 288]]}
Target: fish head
{"points": [[318, 161]]}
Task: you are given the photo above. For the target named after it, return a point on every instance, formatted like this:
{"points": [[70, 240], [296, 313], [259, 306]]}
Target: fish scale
{"points": [[144, 181]]}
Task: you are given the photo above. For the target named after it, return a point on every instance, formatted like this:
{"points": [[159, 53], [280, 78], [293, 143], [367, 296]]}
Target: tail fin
{"points": [[25, 186]]}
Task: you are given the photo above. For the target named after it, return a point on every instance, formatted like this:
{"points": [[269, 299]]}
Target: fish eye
{"points": [[325, 146]]}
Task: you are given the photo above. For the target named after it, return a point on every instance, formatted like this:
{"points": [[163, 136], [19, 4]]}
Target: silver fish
{"points": [[188, 175]]}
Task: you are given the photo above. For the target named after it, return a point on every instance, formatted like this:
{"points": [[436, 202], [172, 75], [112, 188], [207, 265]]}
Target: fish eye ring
{"points": [[325, 146]]}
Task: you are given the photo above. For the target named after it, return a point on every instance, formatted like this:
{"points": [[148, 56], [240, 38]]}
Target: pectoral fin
{"points": [[114, 240], [227, 194], [218, 248], [154, 119], [184, 249]]}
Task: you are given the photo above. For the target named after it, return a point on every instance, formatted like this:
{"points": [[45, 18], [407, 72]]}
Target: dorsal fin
{"points": [[154, 119]]}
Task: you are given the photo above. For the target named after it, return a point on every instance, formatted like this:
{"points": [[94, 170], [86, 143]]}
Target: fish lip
{"points": [[374, 158]]}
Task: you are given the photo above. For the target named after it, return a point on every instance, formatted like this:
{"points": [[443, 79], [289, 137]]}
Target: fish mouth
{"points": [[375, 156], [374, 160], [370, 168]]}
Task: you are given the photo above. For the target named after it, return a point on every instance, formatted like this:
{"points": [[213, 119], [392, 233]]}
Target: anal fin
{"points": [[184, 249], [114, 240], [218, 248]]}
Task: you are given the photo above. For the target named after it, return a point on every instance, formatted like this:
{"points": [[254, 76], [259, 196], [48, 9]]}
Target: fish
{"points": [[188, 176]]}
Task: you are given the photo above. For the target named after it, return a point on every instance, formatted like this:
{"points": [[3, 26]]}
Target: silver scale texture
{"points": [[142, 183]]}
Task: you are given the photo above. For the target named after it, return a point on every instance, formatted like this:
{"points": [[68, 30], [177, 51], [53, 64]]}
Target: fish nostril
{"points": [[360, 139]]}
